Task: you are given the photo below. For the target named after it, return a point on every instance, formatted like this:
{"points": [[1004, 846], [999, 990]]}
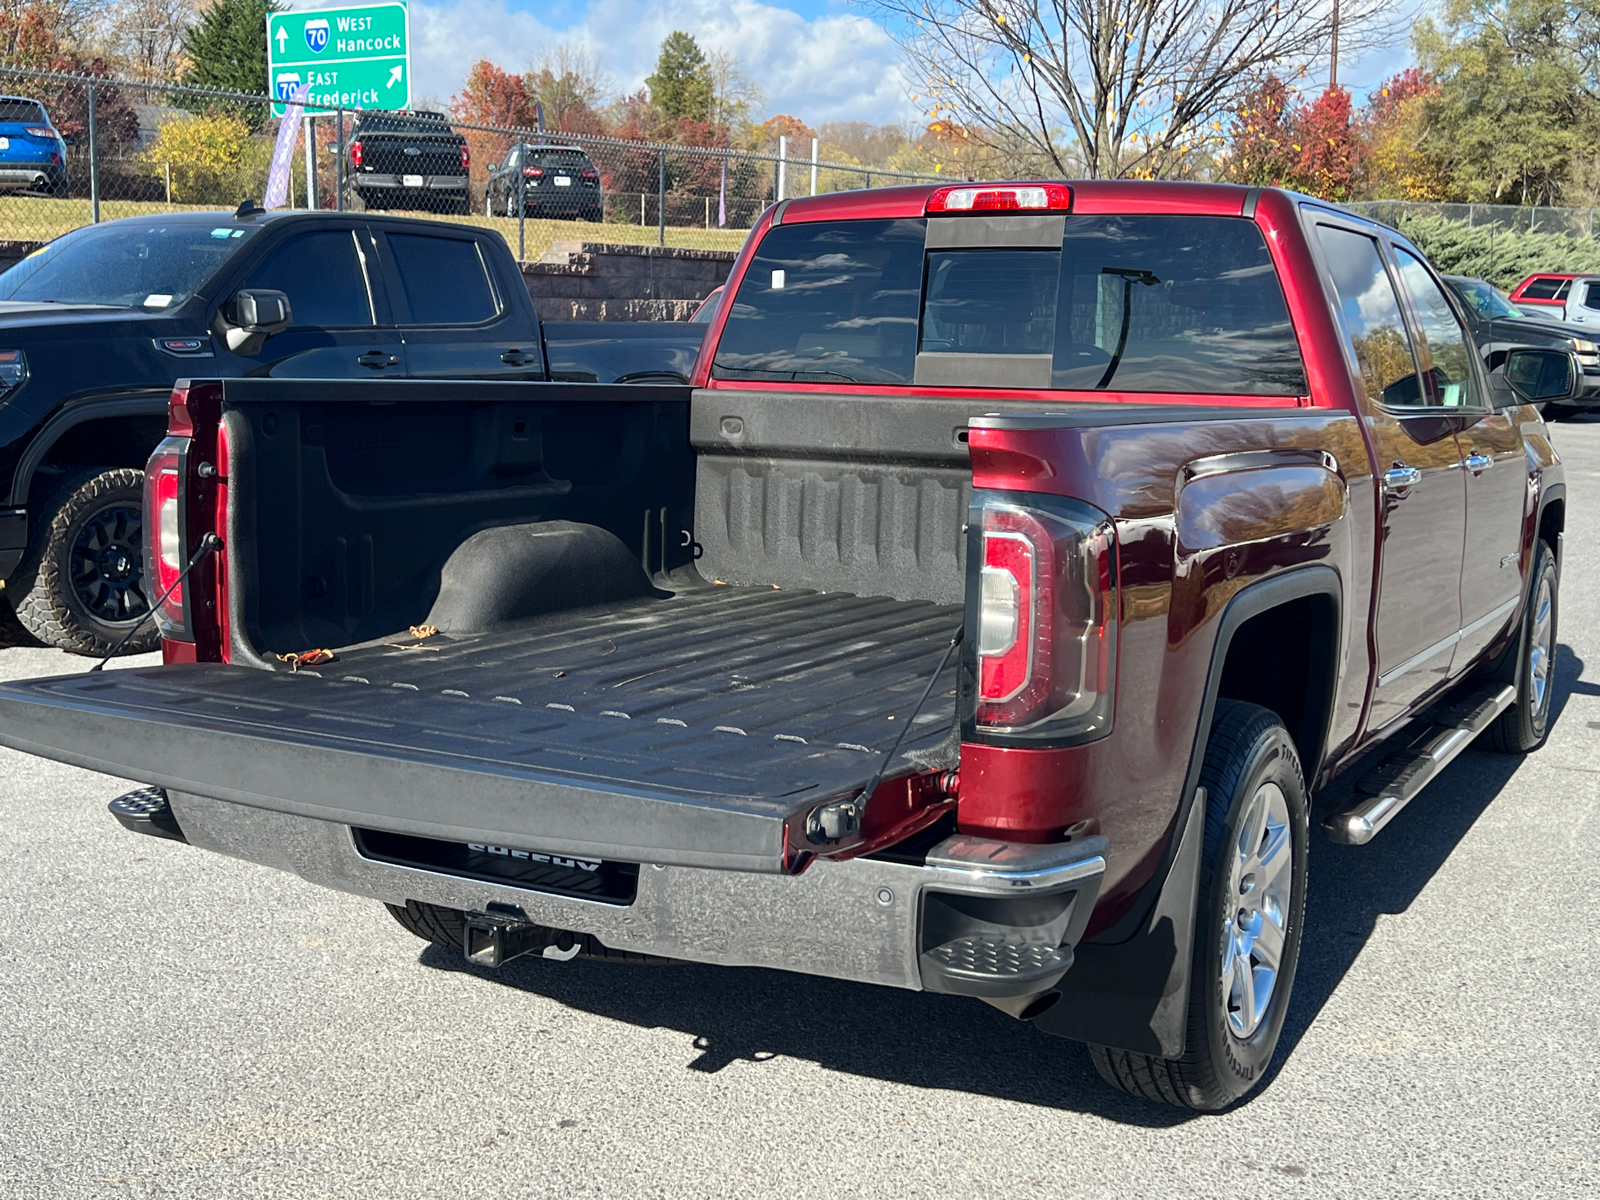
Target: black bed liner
{"points": [[685, 730]]}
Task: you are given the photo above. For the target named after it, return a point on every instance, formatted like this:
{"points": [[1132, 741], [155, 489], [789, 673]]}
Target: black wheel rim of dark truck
{"points": [[108, 565]]}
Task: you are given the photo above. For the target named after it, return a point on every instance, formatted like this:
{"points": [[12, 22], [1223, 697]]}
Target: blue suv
{"points": [[33, 155]]}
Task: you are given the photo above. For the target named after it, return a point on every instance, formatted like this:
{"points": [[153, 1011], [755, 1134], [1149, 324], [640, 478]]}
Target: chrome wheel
{"points": [[1256, 906], [1540, 651]]}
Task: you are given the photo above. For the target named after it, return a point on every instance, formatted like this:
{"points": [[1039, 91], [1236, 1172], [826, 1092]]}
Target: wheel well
{"points": [[1551, 522], [1284, 659], [124, 441]]}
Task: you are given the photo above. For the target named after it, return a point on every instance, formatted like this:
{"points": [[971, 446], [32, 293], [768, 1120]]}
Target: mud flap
{"points": [[1134, 995]]}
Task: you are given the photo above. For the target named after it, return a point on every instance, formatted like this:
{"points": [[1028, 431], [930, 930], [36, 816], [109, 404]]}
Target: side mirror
{"points": [[1540, 376], [261, 310], [252, 316]]}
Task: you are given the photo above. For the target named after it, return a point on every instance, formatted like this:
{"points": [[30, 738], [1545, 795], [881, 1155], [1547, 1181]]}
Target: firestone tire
{"points": [[1247, 924], [80, 587], [1524, 726]]}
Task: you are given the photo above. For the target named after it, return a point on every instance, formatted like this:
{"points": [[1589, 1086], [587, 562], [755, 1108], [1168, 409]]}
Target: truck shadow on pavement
{"points": [[944, 1042]]}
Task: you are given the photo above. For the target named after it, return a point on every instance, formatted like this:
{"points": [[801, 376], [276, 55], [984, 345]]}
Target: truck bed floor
{"points": [[687, 729]]}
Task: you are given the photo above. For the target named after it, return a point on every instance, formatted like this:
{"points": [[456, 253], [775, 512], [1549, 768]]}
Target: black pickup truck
{"points": [[407, 160], [96, 327]]}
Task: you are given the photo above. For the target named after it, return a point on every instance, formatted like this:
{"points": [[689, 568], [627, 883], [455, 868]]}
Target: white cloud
{"points": [[834, 67]]}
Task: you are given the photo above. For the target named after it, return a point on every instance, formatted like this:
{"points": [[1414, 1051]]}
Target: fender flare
{"points": [[1129, 988], [69, 417]]}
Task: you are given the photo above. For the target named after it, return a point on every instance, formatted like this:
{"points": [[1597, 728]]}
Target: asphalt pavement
{"points": [[177, 1024]]}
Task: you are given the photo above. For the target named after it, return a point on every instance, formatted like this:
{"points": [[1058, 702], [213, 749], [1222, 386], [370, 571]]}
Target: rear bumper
{"points": [[14, 174], [436, 183], [867, 920]]}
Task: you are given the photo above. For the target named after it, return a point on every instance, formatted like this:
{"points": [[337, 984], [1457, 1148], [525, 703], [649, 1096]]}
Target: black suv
{"points": [[1499, 327], [411, 161], [556, 181]]}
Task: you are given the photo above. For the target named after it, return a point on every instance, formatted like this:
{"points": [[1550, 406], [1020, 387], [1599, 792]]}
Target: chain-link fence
{"points": [[1513, 218], [76, 149]]}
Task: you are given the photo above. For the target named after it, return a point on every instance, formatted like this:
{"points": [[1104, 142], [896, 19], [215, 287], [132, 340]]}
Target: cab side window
{"points": [[1445, 348], [443, 279], [321, 274], [1372, 318]]}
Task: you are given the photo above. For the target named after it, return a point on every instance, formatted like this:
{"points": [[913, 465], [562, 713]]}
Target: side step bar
{"points": [[1401, 776]]}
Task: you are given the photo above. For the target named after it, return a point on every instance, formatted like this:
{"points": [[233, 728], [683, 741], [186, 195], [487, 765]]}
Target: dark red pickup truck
{"points": [[984, 619]]}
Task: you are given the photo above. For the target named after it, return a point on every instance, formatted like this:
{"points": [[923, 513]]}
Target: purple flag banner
{"points": [[283, 153], [722, 197]]}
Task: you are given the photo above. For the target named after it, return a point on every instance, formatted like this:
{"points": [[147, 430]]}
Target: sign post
{"points": [[357, 57]]}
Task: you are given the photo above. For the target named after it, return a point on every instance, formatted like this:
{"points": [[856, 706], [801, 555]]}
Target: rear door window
{"points": [[1591, 295], [321, 273], [833, 302], [443, 280], [1370, 312]]}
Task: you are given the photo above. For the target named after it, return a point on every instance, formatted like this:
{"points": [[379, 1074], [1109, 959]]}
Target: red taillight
{"points": [[1047, 620], [1009, 197], [466, 156], [590, 173], [355, 154], [533, 172], [165, 529], [39, 131]]}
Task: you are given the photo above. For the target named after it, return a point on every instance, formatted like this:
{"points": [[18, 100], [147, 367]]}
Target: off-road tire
{"points": [[41, 589], [447, 927], [1249, 747], [1524, 726]]}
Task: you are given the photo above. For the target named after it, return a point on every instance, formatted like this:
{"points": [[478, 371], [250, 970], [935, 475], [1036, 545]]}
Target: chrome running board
{"points": [[1401, 776]]}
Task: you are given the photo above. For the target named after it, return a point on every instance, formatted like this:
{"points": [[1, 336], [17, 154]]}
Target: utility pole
{"points": [[1333, 61]]}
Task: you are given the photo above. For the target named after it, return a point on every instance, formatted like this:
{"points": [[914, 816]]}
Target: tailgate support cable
{"points": [[208, 544], [841, 819]]}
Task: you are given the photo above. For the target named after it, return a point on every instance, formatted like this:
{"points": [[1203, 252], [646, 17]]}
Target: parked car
{"points": [[1543, 294], [559, 182], [990, 637], [96, 327], [33, 154], [407, 160], [1499, 327]]}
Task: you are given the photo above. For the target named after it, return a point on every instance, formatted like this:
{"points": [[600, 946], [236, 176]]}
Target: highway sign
{"points": [[345, 57]]}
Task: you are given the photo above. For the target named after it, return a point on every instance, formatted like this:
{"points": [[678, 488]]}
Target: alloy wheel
{"points": [[1256, 906], [107, 564]]}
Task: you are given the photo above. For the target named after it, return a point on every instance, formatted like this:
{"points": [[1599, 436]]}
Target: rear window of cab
{"points": [[1148, 303]]}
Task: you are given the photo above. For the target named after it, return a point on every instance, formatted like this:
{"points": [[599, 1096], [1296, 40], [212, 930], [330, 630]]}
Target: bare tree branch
{"points": [[1112, 88]]}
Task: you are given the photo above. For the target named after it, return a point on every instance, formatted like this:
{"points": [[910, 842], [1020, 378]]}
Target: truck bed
{"points": [[691, 729]]}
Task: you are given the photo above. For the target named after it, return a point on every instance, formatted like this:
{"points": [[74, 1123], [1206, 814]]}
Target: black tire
{"points": [[1248, 751], [431, 923], [1524, 726], [81, 586]]}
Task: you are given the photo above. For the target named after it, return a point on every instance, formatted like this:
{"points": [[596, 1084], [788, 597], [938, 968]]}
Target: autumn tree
{"points": [[568, 84], [1393, 125], [1516, 102], [490, 96]]}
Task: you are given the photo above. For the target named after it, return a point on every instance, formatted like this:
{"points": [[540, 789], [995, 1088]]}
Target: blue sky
{"points": [[819, 60]]}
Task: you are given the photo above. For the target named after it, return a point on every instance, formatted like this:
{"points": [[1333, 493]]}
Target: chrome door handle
{"points": [[1477, 463], [1399, 478]]}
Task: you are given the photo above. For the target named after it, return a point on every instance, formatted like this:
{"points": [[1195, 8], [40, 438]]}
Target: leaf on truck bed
{"points": [[423, 631], [308, 658]]}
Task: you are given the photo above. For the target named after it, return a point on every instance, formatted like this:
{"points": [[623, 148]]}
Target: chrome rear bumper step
{"points": [[1401, 776]]}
